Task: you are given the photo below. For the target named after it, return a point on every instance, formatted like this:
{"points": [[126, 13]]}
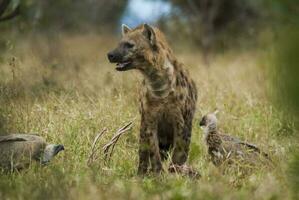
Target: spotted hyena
{"points": [[167, 99]]}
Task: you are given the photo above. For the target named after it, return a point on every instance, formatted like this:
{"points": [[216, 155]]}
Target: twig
{"points": [[123, 131], [114, 140], [93, 150]]}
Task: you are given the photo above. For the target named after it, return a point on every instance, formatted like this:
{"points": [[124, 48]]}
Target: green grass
{"points": [[64, 89]]}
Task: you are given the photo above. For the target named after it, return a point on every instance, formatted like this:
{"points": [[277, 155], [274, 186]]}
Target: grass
{"points": [[64, 89]]}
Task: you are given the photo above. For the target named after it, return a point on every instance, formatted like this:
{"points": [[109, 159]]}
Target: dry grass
{"points": [[64, 89]]}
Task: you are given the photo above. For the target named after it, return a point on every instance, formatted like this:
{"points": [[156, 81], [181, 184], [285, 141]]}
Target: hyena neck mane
{"points": [[160, 82], [159, 76]]}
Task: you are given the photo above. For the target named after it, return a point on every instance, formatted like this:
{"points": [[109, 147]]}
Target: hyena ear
{"points": [[125, 29], [149, 33]]}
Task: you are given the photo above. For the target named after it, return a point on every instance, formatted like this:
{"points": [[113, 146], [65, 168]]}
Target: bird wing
{"points": [[20, 137], [235, 140], [229, 138], [20, 149]]}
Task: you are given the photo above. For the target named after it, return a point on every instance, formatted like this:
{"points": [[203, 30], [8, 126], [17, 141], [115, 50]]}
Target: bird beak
{"points": [[58, 148], [61, 147], [201, 123]]}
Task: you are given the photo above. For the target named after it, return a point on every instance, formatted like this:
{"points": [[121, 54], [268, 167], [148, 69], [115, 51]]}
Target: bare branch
{"points": [[114, 140], [93, 149]]}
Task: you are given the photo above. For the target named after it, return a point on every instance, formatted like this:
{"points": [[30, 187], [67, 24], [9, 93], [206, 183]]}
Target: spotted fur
{"points": [[168, 96]]}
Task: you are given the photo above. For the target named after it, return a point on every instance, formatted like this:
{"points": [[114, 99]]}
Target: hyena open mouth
{"points": [[124, 66]]}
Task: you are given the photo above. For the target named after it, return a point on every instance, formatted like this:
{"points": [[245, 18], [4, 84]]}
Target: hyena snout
{"points": [[114, 56], [120, 58]]}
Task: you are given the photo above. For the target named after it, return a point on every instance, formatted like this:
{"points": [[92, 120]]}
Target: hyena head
{"points": [[143, 48]]}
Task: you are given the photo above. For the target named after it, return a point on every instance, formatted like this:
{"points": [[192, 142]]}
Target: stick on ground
{"points": [[93, 147], [114, 140]]}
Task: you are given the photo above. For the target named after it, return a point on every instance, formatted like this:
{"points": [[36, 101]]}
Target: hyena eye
{"points": [[128, 45]]}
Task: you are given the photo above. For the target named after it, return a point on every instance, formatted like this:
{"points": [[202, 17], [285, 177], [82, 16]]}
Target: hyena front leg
{"points": [[149, 147], [143, 152], [155, 158], [182, 137]]}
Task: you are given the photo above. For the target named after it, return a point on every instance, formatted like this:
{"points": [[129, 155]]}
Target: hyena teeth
{"points": [[121, 65]]}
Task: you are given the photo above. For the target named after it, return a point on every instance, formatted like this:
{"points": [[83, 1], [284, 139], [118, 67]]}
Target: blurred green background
{"points": [[208, 23]]}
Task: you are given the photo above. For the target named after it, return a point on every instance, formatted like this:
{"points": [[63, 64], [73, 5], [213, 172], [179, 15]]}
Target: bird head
{"points": [[50, 151], [209, 120]]}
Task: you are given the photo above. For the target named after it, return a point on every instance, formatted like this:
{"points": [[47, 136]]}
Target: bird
{"points": [[17, 151], [222, 147]]}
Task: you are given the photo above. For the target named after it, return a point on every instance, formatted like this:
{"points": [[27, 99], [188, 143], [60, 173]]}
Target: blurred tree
{"points": [[282, 12], [210, 18], [76, 14], [8, 12], [286, 82], [285, 14], [70, 15]]}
